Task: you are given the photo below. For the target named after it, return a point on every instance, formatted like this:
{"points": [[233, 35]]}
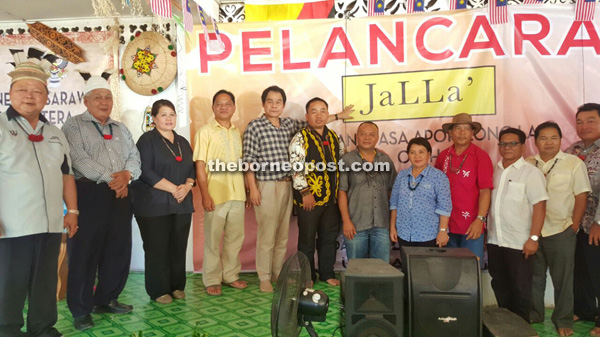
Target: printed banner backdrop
{"points": [[408, 73], [65, 84]]}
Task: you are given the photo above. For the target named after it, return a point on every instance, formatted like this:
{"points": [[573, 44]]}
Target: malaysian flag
{"points": [[584, 10], [458, 4], [533, 2], [216, 45], [203, 20], [415, 6], [498, 11], [375, 8], [161, 7], [188, 20]]}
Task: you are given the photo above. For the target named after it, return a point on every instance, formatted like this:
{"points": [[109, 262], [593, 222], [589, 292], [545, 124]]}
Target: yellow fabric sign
{"points": [[422, 94], [272, 12]]}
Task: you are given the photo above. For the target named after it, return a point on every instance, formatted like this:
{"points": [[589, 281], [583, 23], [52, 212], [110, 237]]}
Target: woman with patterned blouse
{"points": [[420, 201]]}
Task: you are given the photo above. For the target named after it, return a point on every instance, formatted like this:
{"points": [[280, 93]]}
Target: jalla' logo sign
{"points": [[422, 94]]}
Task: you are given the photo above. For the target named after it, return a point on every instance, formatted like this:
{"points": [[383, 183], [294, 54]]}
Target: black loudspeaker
{"points": [[500, 322], [373, 299], [443, 292]]}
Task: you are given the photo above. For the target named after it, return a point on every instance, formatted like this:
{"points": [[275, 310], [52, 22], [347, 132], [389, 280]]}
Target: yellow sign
{"points": [[422, 94]]}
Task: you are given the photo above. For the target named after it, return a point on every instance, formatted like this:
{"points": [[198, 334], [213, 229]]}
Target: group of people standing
{"points": [[104, 178], [540, 212]]}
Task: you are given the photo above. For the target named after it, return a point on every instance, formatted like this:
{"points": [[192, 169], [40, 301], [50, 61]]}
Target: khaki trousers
{"points": [[273, 219], [227, 222]]}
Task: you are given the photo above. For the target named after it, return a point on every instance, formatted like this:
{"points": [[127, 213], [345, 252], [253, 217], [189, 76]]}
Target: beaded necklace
{"points": [[177, 157], [107, 137]]}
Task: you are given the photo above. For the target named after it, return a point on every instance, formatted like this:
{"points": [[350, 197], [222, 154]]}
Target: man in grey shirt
{"points": [[105, 159], [364, 196], [35, 178]]}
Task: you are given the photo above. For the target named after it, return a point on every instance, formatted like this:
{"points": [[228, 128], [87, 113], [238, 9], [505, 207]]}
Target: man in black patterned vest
{"points": [[314, 155]]}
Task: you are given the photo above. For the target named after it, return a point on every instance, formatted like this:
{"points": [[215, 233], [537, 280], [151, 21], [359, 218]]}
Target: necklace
{"points": [[456, 169], [177, 158], [36, 138], [107, 137], [551, 167], [413, 186], [372, 173]]}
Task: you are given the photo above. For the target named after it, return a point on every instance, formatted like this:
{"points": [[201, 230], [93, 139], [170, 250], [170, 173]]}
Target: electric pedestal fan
{"points": [[295, 304]]}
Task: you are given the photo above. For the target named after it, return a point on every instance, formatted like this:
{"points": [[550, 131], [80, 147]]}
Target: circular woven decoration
{"points": [[149, 64]]}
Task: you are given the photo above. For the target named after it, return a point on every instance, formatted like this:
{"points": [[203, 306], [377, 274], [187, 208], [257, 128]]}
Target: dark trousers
{"points": [[586, 280], [102, 244], [557, 253], [512, 277], [324, 222], [28, 269], [165, 244]]}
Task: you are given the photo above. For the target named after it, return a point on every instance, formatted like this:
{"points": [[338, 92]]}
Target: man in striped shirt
{"points": [[105, 159]]}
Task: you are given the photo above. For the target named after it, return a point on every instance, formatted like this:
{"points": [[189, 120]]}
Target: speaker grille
{"points": [[374, 328], [374, 297], [444, 292]]}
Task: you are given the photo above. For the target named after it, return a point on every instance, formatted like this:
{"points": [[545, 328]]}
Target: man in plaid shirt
{"points": [[266, 141]]}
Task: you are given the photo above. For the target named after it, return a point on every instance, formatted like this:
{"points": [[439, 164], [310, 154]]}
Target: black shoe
{"points": [[113, 307], [83, 322]]}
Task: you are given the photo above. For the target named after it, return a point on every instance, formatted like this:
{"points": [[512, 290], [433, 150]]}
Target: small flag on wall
{"points": [[584, 10], [203, 21], [188, 20], [498, 11], [375, 8], [218, 45], [161, 8], [533, 2], [413, 6], [458, 4]]}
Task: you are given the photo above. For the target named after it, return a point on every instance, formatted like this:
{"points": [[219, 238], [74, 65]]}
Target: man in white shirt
{"points": [[518, 210], [568, 186]]}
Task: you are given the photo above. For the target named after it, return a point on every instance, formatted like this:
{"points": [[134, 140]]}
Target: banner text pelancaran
{"points": [[265, 50]]}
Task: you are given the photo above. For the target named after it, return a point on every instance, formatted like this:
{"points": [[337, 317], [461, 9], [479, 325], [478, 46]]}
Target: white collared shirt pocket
{"points": [[515, 191]]}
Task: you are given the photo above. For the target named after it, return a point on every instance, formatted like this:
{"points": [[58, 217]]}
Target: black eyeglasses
{"points": [[509, 144]]}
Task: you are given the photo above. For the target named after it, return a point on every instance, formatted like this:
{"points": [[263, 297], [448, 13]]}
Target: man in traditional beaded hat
{"points": [[105, 159], [35, 175], [470, 171]]}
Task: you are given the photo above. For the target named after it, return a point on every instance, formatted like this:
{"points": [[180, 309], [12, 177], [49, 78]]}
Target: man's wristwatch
{"points": [[305, 192], [482, 218], [534, 238]]}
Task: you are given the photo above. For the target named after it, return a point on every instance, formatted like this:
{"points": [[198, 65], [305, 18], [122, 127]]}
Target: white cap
{"points": [[95, 82]]}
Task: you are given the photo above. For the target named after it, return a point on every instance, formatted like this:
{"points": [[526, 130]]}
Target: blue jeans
{"points": [[373, 243], [460, 241]]}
